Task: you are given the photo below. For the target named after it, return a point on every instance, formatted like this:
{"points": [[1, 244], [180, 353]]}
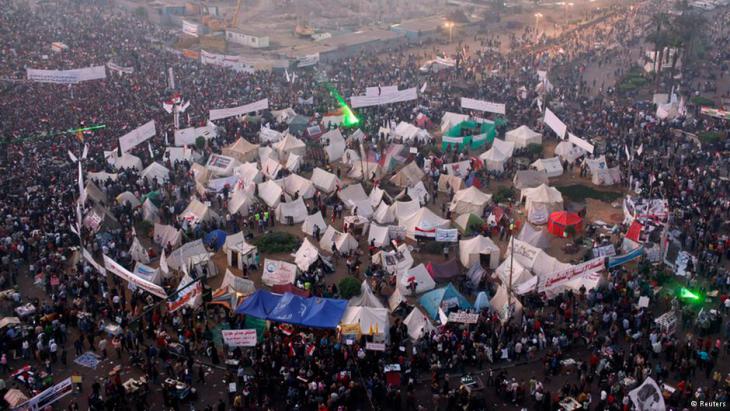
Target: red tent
{"points": [[559, 220]]}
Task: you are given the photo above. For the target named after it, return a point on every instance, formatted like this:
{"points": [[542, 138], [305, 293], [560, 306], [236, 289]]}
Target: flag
{"points": [[640, 149], [286, 74], [86, 152], [167, 107], [423, 87], [310, 349], [149, 147], [163, 263], [80, 135], [628, 155], [167, 143], [72, 156], [185, 107]]}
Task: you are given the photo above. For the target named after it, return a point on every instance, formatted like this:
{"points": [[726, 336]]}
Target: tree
{"points": [[349, 287], [660, 39], [200, 142]]}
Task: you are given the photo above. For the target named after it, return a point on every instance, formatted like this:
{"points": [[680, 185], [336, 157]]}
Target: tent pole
{"points": [[511, 268]]}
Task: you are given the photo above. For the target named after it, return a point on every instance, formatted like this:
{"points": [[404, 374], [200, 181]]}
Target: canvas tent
{"points": [[293, 212], [197, 212], [418, 275], [365, 170], [467, 223], [447, 182], [295, 184], [568, 151], [551, 166], [533, 236], [293, 163], [471, 251], [446, 298], [353, 195], [418, 324], [240, 202], [128, 198], [126, 161], [470, 200], [308, 254], [512, 267], [179, 154], [270, 193], [495, 158], [313, 220], [268, 135], [138, 252], [238, 252], [408, 176], [423, 223], [376, 196], [523, 136], [165, 235], [405, 209], [449, 120], [378, 235], [242, 150], [270, 167], [325, 181], [540, 202], [155, 171], [529, 179], [366, 298], [344, 242], [407, 132], [384, 214], [534, 259], [372, 321], [335, 144], [417, 192], [290, 145]]}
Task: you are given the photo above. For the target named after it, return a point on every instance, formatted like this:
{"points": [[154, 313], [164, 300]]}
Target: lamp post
{"points": [[538, 16], [565, 12], [449, 25]]}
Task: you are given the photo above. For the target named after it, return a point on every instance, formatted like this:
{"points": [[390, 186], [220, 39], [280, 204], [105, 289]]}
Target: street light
{"points": [[538, 16], [565, 12], [449, 25]]}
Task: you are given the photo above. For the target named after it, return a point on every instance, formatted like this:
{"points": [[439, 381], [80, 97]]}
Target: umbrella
{"points": [[215, 239]]}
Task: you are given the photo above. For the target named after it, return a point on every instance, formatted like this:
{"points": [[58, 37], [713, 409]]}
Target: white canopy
{"points": [[423, 223], [533, 236], [372, 321], [378, 235], [551, 166], [366, 298], [534, 259], [471, 250], [568, 151], [290, 145], [313, 220], [335, 144], [523, 136], [409, 132], [295, 209], [179, 154], [405, 209], [495, 157], [470, 200], [408, 176], [344, 242], [293, 162], [126, 161], [519, 273], [420, 276], [324, 181], [270, 193], [294, 183], [418, 324], [352, 194], [242, 150], [155, 170]]}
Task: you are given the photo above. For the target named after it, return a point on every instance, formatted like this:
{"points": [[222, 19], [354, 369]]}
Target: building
{"points": [[347, 45], [247, 40], [420, 29]]}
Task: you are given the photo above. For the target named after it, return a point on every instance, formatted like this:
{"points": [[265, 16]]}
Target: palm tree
{"points": [[659, 38]]}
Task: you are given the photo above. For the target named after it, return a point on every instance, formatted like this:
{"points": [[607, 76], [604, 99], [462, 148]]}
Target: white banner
{"points": [[137, 136], [447, 235], [90, 259], [482, 105], [380, 91], [186, 293], [579, 142], [396, 97], [463, 317], [67, 76], [371, 346], [47, 397], [560, 277], [239, 338], [648, 397], [119, 69], [125, 274], [278, 273], [308, 60], [240, 110], [191, 29], [221, 60], [552, 121]]}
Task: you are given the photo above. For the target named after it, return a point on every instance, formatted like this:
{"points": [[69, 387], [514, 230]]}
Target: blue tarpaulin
{"points": [[289, 308], [432, 300], [482, 301], [215, 239]]}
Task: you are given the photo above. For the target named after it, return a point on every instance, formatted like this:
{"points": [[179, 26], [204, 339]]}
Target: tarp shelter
{"points": [[240, 202], [408, 176], [313, 220], [495, 158], [418, 275], [423, 223], [396, 261], [529, 179], [335, 144], [179, 154], [501, 304], [378, 235], [293, 212], [372, 321], [128, 198], [155, 171], [242, 150], [469, 134], [344, 242], [197, 212], [221, 165], [444, 271], [482, 301], [290, 145], [259, 304], [407, 132], [447, 298], [270, 193], [559, 221], [278, 272], [165, 235], [294, 184], [325, 181], [551, 166], [470, 200], [366, 298], [308, 254], [384, 214], [468, 223], [239, 253], [568, 151], [447, 183], [472, 250], [533, 236], [312, 312], [540, 202], [523, 136], [418, 324]]}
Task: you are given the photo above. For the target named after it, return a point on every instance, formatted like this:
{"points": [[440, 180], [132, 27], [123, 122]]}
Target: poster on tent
{"points": [[648, 396], [278, 272], [552, 121], [561, 277], [463, 317], [447, 235], [239, 338]]}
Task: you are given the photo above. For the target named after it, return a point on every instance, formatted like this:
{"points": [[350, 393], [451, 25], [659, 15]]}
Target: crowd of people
{"points": [[600, 335]]}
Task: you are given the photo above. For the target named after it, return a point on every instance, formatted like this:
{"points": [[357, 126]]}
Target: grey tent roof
{"points": [[529, 179], [534, 236]]}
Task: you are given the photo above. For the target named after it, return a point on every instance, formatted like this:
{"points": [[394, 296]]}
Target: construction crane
{"points": [[234, 18]]}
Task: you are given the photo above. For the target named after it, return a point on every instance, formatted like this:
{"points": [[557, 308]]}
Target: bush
{"points": [[146, 228], [349, 287], [632, 81], [710, 137], [503, 194], [200, 142], [277, 242], [534, 150]]}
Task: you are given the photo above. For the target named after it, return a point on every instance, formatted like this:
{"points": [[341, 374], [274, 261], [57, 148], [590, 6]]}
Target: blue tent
{"points": [[259, 304], [431, 301], [482, 301], [215, 239]]}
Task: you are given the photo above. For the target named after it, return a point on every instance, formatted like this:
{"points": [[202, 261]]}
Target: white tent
{"points": [[165, 235], [293, 163], [324, 181], [294, 211], [495, 157], [147, 273], [501, 304], [376, 196], [551, 166], [268, 152], [366, 298], [540, 202], [307, 254], [188, 136], [365, 170], [409, 133], [344, 242], [266, 135], [179, 154], [418, 324], [150, 212], [352, 194], [470, 200], [197, 212], [101, 177], [128, 161], [313, 220], [270, 193], [138, 252], [284, 115], [335, 144], [278, 273], [423, 223], [270, 167], [533, 236], [397, 261], [471, 250], [372, 321], [395, 299], [405, 209], [606, 177], [408, 176], [420, 276], [238, 252], [128, 197], [290, 145], [378, 235], [242, 150], [384, 213], [534, 259], [238, 284], [417, 192], [221, 165], [155, 170], [294, 183], [447, 182], [216, 185], [240, 202], [519, 273], [523, 136], [350, 157], [180, 257], [249, 173], [568, 151]]}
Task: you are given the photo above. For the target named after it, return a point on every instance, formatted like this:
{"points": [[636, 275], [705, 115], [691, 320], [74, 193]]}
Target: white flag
{"points": [[82, 190], [86, 152], [167, 143], [423, 87], [167, 107], [72, 156], [628, 154], [286, 74], [640, 149], [149, 147], [163, 263], [185, 107]]}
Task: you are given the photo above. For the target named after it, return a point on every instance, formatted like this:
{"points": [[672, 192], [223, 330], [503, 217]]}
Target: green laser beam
{"points": [[349, 118], [90, 128], [53, 134], [685, 293]]}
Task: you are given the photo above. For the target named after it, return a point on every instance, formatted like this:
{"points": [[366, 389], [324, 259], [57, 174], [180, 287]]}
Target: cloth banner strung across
{"points": [[66, 76], [191, 29], [221, 60], [90, 259], [137, 136], [383, 99], [185, 294], [308, 60], [125, 274], [560, 277], [48, 397], [482, 105], [119, 69], [380, 91], [579, 142], [240, 110], [625, 258], [552, 121]]}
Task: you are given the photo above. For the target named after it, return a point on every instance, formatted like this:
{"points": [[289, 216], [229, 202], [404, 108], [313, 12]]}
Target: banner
{"points": [[380, 91], [191, 29], [278, 273], [560, 277], [308, 60], [371, 346], [240, 110], [136, 136], [623, 259], [239, 338], [185, 295], [48, 397], [66, 76], [221, 60], [122, 272], [90, 259], [579, 142], [447, 235], [648, 396], [552, 121], [119, 69], [715, 112], [604, 251], [463, 317], [482, 105], [396, 97]]}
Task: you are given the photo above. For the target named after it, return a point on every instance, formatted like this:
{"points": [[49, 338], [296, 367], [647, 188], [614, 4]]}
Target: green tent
{"points": [[154, 197], [470, 134], [468, 223]]}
